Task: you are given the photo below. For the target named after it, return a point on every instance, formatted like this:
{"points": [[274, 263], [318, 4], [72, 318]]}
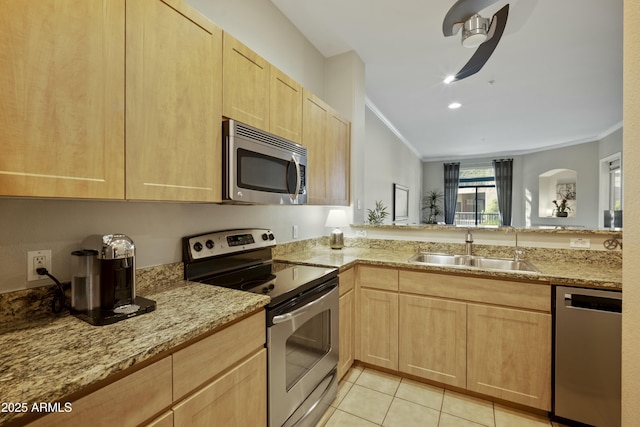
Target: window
{"points": [[477, 202]]}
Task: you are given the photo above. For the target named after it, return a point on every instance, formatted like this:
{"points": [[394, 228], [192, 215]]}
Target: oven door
{"points": [[259, 172], [302, 342]]}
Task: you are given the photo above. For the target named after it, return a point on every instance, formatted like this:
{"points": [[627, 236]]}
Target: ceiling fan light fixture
{"points": [[475, 30]]}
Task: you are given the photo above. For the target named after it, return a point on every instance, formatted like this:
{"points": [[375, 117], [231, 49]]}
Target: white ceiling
{"points": [[554, 79]]}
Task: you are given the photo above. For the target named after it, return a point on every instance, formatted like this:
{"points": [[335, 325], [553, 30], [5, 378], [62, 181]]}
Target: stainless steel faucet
{"points": [[469, 243], [517, 253]]}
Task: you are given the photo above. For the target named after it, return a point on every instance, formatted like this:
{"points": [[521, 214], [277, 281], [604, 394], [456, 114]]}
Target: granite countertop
{"points": [[556, 271], [48, 358]]}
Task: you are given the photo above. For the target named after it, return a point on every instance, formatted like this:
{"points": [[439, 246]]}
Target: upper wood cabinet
{"points": [[327, 137], [245, 84], [62, 85], [285, 106], [259, 94], [174, 103]]}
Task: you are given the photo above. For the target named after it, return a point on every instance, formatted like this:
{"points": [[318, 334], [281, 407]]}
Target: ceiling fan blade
{"points": [[484, 51], [460, 12]]}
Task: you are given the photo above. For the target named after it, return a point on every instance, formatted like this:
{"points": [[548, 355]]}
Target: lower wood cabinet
{"points": [[509, 354], [238, 398], [488, 336], [433, 339], [126, 402], [346, 333], [379, 328]]}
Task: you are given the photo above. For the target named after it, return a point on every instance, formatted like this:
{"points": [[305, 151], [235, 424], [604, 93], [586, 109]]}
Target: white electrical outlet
{"points": [[580, 243], [35, 260], [294, 231]]}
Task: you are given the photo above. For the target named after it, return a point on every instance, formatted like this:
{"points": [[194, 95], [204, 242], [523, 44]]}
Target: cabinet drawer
{"points": [[347, 281], [532, 296], [201, 361], [378, 277], [126, 402]]}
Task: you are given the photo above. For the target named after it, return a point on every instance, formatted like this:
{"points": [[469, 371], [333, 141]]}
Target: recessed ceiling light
{"points": [[455, 105], [449, 79]]}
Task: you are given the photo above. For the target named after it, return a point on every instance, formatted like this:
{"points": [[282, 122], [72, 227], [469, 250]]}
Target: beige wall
{"points": [[631, 267]]}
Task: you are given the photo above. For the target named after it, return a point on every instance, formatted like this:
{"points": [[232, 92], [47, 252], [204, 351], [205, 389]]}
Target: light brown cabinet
{"points": [[488, 336], [433, 339], [245, 84], [62, 120], [238, 398], [62, 128], [509, 354], [174, 103], [378, 316], [327, 137], [258, 94], [285, 106], [346, 347], [126, 402]]}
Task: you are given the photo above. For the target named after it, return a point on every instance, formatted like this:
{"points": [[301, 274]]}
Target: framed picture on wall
{"points": [[400, 203]]}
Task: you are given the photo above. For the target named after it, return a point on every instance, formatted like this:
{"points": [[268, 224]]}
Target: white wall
{"points": [[389, 161]]}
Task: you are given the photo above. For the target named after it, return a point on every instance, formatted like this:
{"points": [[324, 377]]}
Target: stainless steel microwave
{"points": [[259, 167]]}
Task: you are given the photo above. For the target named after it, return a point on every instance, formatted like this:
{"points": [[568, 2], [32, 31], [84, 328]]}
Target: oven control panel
{"points": [[216, 243]]}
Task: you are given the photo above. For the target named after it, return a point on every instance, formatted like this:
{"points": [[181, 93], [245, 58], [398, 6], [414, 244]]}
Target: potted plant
{"points": [[432, 202], [377, 215], [562, 208]]}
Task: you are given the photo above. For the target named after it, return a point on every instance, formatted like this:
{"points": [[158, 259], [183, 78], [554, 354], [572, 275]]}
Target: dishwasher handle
{"points": [[590, 302]]}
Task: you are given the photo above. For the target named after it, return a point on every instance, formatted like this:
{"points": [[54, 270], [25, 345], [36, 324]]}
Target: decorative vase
{"points": [[562, 214]]}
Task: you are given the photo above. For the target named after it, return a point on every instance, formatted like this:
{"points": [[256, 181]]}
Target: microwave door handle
{"points": [[294, 196]]}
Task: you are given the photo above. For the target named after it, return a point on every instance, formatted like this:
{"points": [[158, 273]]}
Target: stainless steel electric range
{"points": [[301, 318]]}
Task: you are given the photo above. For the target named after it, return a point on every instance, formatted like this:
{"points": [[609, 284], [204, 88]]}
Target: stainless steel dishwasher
{"points": [[588, 351]]}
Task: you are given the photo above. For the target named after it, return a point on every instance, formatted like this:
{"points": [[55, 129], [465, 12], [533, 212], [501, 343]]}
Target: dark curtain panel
{"points": [[451, 175], [503, 170]]}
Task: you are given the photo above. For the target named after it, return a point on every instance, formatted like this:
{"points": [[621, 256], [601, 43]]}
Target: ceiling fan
{"points": [[476, 32]]}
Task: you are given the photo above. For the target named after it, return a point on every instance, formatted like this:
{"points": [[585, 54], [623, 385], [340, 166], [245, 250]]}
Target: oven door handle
{"points": [[281, 318]]}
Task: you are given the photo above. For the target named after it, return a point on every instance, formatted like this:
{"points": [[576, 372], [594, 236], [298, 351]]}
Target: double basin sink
{"points": [[479, 262]]}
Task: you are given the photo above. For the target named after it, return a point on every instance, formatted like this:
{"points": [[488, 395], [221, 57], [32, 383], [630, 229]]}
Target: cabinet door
{"points": [[433, 339], [62, 86], [346, 332], [285, 111], [337, 157], [509, 354], [126, 402], [245, 84], [379, 328], [314, 135], [238, 398], [174, 103]]}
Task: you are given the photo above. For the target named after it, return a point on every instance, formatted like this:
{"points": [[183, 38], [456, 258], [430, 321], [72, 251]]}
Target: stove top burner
{"points": [[242, 259]]}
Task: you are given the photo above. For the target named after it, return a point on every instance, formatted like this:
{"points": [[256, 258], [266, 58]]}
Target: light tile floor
{"points": [[370, 398]]}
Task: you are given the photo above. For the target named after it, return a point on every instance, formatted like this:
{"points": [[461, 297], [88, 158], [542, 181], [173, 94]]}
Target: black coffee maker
{"points": [[103, 288]]}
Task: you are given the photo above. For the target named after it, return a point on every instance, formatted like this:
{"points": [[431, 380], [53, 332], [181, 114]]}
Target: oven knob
{"points": [[265, 236], [197, 246], [271, 236], [240, 194], [210, 244]]}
